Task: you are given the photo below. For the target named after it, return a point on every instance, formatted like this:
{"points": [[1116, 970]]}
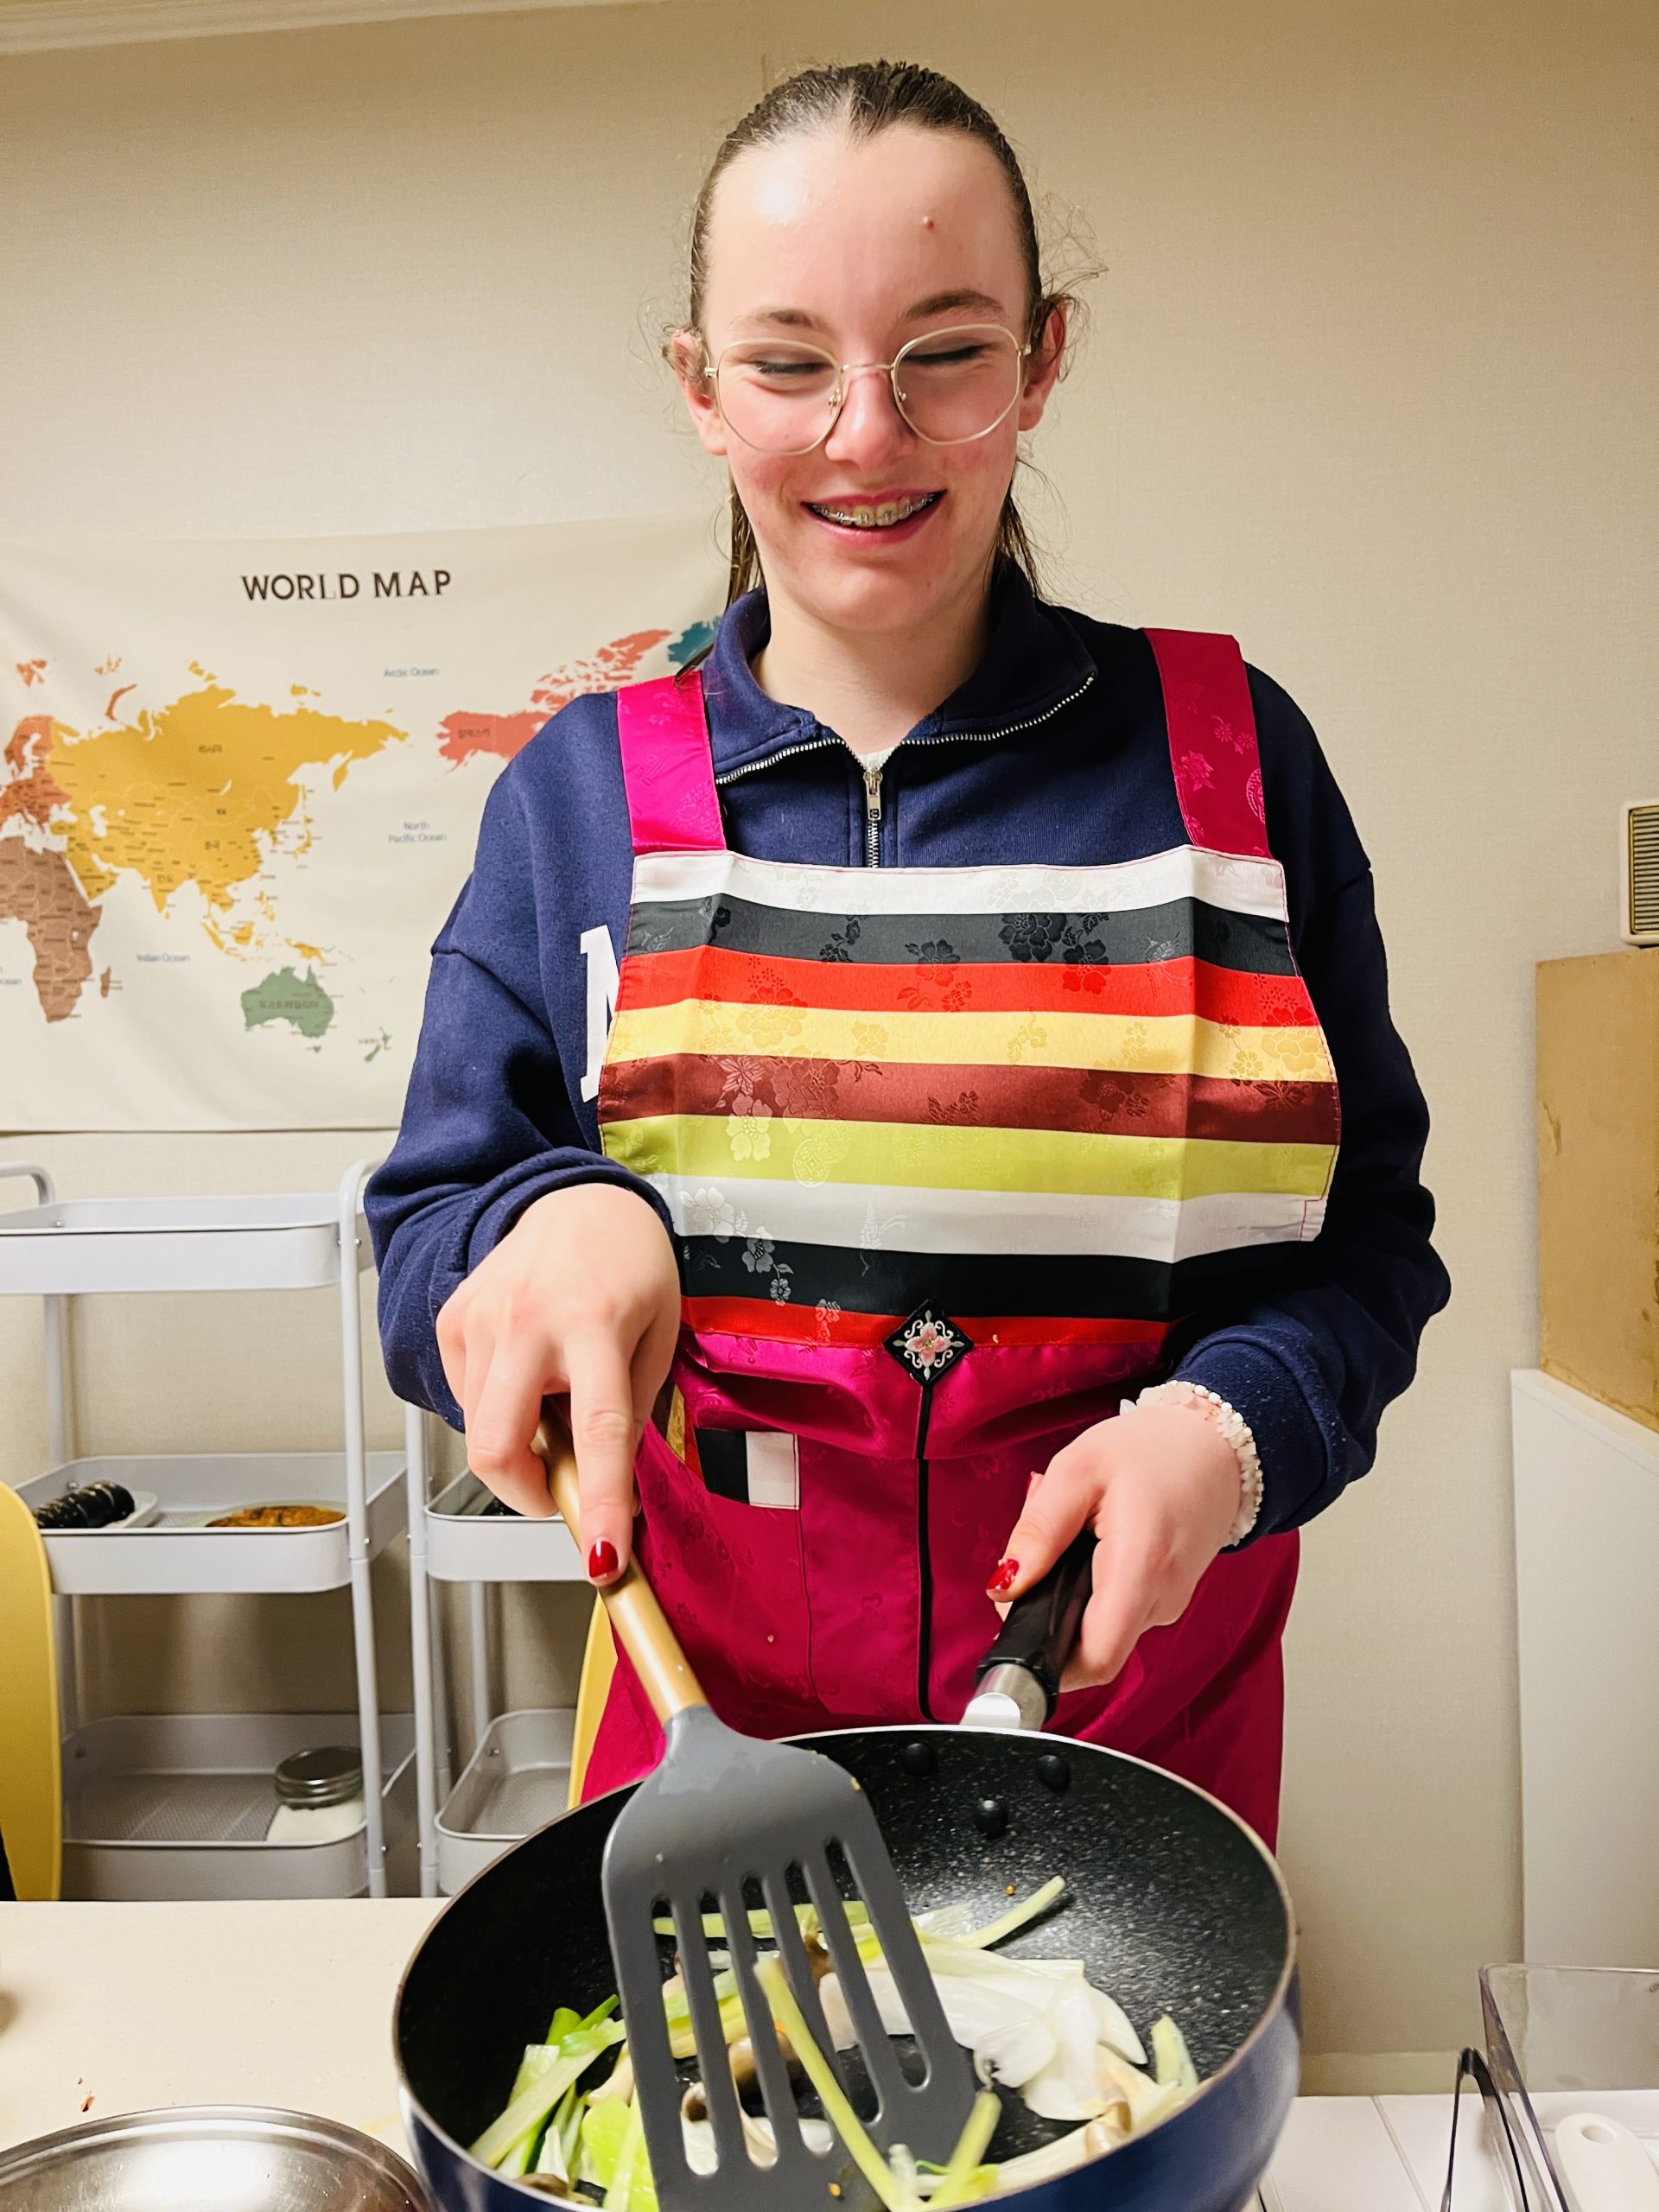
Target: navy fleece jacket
{"points": [[1054, 751]]}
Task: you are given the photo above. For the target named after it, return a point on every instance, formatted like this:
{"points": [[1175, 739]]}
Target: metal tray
{"points": [[516, 1782], [263, 1240], [461, 1546], [173, 1553], [171, 1806]]}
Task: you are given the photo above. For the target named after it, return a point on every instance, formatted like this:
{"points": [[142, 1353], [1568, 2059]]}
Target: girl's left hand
{"points": [[1160, 1487]]}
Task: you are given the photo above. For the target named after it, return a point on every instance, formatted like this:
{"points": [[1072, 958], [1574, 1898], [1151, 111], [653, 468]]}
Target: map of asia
{"points": [[240, 787]]}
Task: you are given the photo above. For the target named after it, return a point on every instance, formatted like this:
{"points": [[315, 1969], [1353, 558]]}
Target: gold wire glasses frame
{"points": [[771, 392]]}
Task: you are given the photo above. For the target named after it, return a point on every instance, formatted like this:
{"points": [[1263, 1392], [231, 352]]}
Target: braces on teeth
{"points": [[889, 512]]}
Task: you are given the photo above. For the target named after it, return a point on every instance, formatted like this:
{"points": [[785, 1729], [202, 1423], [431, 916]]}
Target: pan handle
{"points": [[640, 1624], [1038, 1636]]}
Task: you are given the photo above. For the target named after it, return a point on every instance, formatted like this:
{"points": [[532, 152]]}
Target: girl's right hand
{"points": [[580, 1300]]}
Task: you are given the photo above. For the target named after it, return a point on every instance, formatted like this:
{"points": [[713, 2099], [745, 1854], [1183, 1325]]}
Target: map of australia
{"points": [[294, 854]]}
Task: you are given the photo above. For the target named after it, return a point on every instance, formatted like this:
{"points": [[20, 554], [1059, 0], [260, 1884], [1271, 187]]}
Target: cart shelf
{"points": [[267, 1241], [176, 1805], [175, 1552], [166, 1807], [465, 1545], [516, 1782]]}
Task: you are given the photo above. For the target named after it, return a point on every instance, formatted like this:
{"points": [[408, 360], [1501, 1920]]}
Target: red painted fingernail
{"points": [[1003, 1579], [601, 1561]]}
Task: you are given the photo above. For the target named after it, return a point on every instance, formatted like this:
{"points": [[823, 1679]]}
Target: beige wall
{"points": [[1369, 386]]}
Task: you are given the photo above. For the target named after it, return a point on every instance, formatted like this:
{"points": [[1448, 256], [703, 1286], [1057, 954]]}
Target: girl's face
{"points": [[857, 248]]}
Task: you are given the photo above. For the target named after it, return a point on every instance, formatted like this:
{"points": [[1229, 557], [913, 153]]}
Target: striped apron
{"points": [[948, 1153]]}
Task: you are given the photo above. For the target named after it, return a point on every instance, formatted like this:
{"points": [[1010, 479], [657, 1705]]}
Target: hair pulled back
{"points": [[861, 98]]}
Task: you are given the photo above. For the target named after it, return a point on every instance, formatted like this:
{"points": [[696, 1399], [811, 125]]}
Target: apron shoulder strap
{"points": [[667, 770], [1212, 747]]}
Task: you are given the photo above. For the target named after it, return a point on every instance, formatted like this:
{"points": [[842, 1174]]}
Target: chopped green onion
{"points": [[554, 2157], [1172, 2066], [604, 2130], [619, 2198], [825, 2079], [568, 2120], [518, 2159], [682, 2036], [538, 2059], [997, 1931], [531, 2105], [963, 2176], [677, 2005], [760, 1923]]}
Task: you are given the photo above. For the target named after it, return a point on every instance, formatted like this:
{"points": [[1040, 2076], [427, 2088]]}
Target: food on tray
{"points": [[280, 1516], [1037, 2026], [95, 1505]]}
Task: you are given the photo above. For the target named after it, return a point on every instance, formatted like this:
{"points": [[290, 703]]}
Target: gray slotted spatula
{"points": [[720, 1812]]}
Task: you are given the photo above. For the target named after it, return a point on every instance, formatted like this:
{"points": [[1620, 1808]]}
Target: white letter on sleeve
{"points": [[601, 956]]}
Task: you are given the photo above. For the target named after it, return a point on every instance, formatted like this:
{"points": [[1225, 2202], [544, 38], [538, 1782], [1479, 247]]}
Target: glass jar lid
{"points": [[328, 1776]]}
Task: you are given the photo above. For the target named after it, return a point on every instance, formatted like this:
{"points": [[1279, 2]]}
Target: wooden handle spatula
{"points": [[721, 1827]]}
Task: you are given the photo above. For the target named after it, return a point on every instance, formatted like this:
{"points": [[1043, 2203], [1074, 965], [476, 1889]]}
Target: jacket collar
{"points": [[1033, 663]]}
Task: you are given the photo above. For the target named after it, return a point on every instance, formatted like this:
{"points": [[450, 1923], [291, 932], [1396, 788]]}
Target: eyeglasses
{"points": [[950, 386]]}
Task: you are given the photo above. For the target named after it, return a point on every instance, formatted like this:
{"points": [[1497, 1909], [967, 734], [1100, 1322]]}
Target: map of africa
{"points": [[240, 787]]}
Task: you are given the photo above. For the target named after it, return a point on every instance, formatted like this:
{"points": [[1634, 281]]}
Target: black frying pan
{"points": [[1174, 1904]]}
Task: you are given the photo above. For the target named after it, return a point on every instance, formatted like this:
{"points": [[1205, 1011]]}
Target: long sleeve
{"points": [[1313, 1356], [490, 1124]]}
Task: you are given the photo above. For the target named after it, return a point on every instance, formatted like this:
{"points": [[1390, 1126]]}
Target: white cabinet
{"points": [[1586, 1551]]}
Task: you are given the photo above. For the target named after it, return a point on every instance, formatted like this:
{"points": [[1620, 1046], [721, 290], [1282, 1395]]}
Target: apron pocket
{"points": [[721, 1539], [751, 1466]]}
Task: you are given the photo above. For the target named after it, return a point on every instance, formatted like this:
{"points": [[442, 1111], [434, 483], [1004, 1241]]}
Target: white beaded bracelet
{"points": [[1237, 1430]]}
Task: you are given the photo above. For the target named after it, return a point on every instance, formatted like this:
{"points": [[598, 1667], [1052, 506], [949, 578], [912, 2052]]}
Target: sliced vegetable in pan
{"points": [[1035, 2026]]}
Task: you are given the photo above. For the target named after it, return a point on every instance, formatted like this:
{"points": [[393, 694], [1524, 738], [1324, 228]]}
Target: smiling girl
{"points": [[995, 986]]}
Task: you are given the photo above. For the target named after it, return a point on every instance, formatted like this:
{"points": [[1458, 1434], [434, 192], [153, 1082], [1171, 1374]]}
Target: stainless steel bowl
{"points": [[207, 2158]]}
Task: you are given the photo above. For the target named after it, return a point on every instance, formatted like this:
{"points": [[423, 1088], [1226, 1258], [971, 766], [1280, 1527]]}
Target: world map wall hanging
{"points": [[241, 786]]}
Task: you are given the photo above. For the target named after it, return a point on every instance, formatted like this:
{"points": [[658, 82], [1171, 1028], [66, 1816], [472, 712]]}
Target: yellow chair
{"points": [[31, 1779], [598, 1665]]}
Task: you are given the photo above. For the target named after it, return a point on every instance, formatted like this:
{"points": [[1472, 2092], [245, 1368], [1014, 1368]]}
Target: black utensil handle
{"points": [[1041, 1627]]}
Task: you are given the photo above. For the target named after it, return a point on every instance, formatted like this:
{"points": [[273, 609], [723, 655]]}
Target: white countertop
{"points": [[121, 2007], [135, 2006]]}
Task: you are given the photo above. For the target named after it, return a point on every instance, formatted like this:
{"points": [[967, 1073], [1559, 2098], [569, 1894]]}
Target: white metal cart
{"points": [[178, 1805], [519, 1773]]}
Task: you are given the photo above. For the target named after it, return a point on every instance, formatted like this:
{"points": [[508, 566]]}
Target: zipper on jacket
{"points": [[873, 817], [941, 737], [809, 744], [1008, 729]]}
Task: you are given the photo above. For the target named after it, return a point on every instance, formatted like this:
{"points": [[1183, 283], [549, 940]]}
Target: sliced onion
{"points": [[1112, 2024], [838, 2018]]}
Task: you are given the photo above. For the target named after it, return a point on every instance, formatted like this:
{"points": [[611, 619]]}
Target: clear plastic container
{"points": [[1562, 2041]]}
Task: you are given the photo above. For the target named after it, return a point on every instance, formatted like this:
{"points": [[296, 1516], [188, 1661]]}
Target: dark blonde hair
{"points": [[862, 98]]}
